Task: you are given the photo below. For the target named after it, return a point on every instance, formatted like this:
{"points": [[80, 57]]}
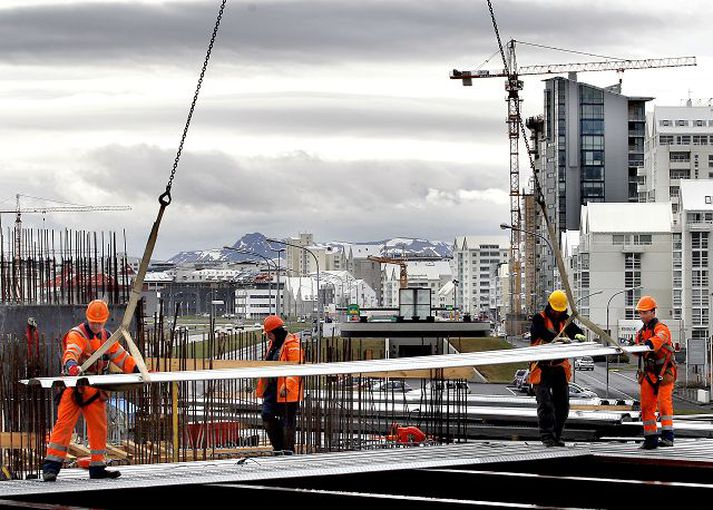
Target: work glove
{"points": [[579, 337], [72, 368]]}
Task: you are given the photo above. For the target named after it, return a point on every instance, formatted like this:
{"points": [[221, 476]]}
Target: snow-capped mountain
{"points": [[255, 243], [250, 243]]}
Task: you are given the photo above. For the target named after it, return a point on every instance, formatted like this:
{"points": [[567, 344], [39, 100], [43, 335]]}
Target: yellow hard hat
{"points": [[558, 301]]}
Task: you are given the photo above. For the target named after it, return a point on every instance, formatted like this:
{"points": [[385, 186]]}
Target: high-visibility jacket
{"points": [[293, 386], [80, 343], [543, 331], [659, 365]]}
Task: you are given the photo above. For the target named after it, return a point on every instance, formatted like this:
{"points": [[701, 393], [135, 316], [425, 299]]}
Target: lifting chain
{"points": [[165, 198]]}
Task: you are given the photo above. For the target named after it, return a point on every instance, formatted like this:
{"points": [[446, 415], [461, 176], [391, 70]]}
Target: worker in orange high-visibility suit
{"points": [[79, 344], [281, 396], [551, 378], [657, 374]]}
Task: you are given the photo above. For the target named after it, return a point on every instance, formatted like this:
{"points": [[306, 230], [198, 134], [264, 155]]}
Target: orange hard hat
{"points": [[97, 311], [645, 304], [272, 322]]}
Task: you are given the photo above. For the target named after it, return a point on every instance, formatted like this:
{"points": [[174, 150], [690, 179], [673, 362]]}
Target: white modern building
{"points": [[692, 258], [679, 146], [624, 252], [474, 259]]}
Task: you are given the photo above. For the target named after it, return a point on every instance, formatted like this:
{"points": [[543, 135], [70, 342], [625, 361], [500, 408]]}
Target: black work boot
{"points": [[666, 438], [650, 443], [101, 472], [50, 470]]}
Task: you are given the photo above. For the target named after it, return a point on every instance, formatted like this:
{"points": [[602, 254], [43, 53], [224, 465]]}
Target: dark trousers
{"points": [[280, 422], [552, 403]]}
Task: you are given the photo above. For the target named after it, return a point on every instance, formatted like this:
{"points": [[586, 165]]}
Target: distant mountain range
{"points": [[256, 243]]}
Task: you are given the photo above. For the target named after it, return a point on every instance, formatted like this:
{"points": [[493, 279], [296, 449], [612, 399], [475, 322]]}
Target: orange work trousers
{"points": [[67, 416], [651, 401]]}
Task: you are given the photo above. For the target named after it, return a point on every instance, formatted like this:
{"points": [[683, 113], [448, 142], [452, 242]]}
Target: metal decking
{"points": [[691, 453]]}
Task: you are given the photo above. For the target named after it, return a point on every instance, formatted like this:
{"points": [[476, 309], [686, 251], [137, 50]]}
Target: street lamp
{"points": [[320, 309], [506, 226], [279, 251], [608, 331]]}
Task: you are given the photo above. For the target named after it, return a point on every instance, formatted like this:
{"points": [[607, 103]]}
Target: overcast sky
{"points": [[334, 117]]}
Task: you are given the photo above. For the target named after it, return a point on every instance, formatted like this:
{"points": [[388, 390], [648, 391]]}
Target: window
{"points": [[584, 260], [664, 122], [593, 173], [643, 239], [592, 111], [710, 160], [700, 140], [699, 278], [681, 123], [683, 140], [593, 127], [591, 95], [699, 258], [593, 142], [619, 239], [675, 191], [700, 123], [632, 261], [679, 157], [699, 240], [708, 199], [593, 157], [665, 139]]}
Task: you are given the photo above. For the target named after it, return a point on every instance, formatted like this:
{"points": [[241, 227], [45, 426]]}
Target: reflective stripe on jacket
{"points": [[80, 343], [291, 350]]}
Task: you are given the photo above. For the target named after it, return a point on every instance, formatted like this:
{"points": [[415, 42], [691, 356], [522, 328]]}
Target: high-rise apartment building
{"points": [[679, 146], [474, 260]]}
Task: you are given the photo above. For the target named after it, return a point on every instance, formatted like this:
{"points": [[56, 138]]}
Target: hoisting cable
{"points": [[164, 200]]}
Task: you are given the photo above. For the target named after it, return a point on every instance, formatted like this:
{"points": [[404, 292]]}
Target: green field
{"points": [[493, 373]]}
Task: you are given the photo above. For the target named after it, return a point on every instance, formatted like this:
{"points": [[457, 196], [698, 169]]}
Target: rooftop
{"points": [[626, 217]]}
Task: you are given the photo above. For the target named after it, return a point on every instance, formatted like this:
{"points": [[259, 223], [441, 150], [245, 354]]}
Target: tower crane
{"points": [[513, 85], [403, 275], [18, 211]]}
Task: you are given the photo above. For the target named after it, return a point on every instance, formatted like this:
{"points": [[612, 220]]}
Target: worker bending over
{"points": [[551, 378], [657, 375], [78, 345]]}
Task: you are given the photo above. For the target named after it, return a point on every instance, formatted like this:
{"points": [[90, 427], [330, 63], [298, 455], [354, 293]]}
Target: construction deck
{"points": [[362, 474]]}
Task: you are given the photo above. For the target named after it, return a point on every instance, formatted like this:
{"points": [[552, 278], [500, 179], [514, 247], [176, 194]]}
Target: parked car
{"points": [[449, 385], [577, 391], [520, 379], [395, 386], [584, 363]]}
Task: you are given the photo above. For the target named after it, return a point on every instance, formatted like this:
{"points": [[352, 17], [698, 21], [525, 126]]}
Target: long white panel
{"points": [[539, 353]]}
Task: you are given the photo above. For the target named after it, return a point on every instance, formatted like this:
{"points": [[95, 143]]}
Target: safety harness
{"points": [[652, 368]]}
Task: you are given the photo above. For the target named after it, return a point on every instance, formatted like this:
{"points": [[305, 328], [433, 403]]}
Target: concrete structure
{"points": [[622, 246], [692, 258], [431, 274], [474, 258], [679, 146]]}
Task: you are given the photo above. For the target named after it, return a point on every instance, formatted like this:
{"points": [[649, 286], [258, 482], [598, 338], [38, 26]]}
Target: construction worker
{"points": [[551, 378], [657, 373], [78, 345], [281, 396]]}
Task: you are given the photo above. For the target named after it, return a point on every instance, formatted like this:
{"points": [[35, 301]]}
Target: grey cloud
{"points": [[217, 197], [293, 114], [300, 33]]}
